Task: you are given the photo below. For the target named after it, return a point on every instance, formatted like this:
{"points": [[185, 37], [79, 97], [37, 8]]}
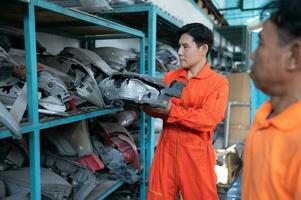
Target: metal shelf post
{"points": [[33, 115]]}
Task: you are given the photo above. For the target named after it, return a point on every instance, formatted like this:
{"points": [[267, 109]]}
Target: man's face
{"points": [[190, 54], [269, 58]]}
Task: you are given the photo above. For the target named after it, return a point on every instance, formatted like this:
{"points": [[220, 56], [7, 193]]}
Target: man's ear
{"points": [[294, 56], [203, 49]]}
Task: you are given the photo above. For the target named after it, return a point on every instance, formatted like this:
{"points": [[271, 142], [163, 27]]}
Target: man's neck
{"points": [[281, 102], [194, 70]]}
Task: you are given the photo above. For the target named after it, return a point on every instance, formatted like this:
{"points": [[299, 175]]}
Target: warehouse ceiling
{"points": [[241, 12]]}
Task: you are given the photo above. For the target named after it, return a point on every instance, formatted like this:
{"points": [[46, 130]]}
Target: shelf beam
{"points": [[87, 17], [74, 118]]}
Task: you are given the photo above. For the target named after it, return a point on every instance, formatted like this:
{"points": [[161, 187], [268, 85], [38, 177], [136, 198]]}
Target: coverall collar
{"points": [[204, 73], [286, 120]]}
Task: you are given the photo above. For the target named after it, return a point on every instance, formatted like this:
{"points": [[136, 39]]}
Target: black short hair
{"points": [[200, 34], [287, 18]]}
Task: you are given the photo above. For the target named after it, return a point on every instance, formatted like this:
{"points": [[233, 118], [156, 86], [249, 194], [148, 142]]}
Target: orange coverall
{"points": [[272, 155], [184, 159]]}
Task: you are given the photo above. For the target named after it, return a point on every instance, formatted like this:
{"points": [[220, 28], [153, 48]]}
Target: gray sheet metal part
{"points": [[95, 5], [51, 183], [167, 55], [19, 56], [88, 89], [122, 2], [84, 182], [55, 62], [6, 59], [87, 58], [9, 121], [112, 127], [134, 87], [139, 89], [9, 81], [127, 118], [9, 95], [77, 134], [73, 139], [53, 104], [53, 86], [115, 161], [115, 57], [19, 107], [63, 146], [2, 190]]}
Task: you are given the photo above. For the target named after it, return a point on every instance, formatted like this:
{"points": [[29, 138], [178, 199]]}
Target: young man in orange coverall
{"points": [[184, 159], [272, 155]]}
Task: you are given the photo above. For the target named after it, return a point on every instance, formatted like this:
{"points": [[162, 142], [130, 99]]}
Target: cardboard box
{"points": [[240, 87], [240, 117]]}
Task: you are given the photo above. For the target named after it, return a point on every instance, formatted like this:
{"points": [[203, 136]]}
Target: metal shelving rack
{"points": [[157, 25], [40, 15]]}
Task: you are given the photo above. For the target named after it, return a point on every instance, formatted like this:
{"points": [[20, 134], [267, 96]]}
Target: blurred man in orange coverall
{"points": [[184, 159], [272, 155]]}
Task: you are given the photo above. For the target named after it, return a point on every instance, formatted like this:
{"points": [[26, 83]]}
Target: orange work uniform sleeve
{"points": [[205, 118]]}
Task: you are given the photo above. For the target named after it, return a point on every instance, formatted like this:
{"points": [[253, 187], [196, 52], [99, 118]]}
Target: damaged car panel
{"points": [[52, 103], [53, 86], [136, 88], [115, 57], [88, 88], [87, 58], [71, 139], [51, 183], [8, 120]]}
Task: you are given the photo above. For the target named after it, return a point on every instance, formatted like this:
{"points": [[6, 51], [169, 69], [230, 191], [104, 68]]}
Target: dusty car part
{"points": [[83, 182], [115, 161], [11, 37], [130, 87], [71, 139], [95, 5], [11, 156], [140, 89], [175, 89], [51, 183], [88, 88], [115, 57], [9, 94], [19, 107], [88, 58], [126, 118], [5, 59], [8, 81], [15, 115], [8, 120], [55, 62], [62, 146], [118, 137], [134, 66], [2, 190], [19, 56], [53, 104], [53, 86], [63, 166], [167, 56], [122, 2], [92, 162]]}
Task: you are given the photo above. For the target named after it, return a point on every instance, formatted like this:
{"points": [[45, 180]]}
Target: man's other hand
{"points": [[155, 111]]}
